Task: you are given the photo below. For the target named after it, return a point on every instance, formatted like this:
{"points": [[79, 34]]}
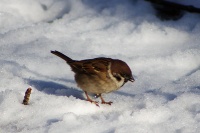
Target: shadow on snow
{"points": [[50, 87]]}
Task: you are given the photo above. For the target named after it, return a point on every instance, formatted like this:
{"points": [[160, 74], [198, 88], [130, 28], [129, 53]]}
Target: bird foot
{"points": [[90, 100], [109, 103], [95, 102]]}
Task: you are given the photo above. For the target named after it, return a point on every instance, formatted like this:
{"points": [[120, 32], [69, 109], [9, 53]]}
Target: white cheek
{"points": [[117, 83]]}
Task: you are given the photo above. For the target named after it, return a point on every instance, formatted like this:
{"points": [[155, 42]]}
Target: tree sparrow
{"points": [[98, 75]]}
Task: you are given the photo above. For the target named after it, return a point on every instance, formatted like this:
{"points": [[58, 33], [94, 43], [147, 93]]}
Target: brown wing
{"points": [[91, 66]]}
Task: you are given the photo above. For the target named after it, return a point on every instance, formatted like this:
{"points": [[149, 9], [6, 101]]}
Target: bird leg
{"points": [[90, 100], [103, 101]]}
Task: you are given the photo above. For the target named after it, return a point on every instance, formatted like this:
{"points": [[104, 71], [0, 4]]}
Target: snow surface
{"points": [[164, 57]]}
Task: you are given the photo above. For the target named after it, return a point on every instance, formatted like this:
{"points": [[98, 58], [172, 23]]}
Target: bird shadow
{"points": [[168, 96], [195, 89], [124, 93], [53, 88]]}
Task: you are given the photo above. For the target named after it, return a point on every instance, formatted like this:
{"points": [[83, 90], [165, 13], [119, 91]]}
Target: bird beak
{"points": [[132, 79]]}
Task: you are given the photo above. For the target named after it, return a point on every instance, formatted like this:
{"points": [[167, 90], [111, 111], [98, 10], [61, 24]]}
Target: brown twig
{"points": [[27, 96]]}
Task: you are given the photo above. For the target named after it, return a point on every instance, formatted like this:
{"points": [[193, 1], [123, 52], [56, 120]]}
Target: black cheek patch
{"points": [[118, 78]]}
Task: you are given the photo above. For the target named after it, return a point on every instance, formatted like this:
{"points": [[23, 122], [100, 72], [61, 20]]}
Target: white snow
{"points": [[164, 57]]}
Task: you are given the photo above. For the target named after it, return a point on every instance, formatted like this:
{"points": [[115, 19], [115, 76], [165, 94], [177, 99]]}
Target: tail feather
{"points": [[61, 55]]}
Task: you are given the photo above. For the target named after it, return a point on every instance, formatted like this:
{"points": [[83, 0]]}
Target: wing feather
{"points": [[91, 66]]}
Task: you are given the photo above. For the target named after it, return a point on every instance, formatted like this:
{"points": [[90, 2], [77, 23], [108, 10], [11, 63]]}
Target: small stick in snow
{"points": [[27, 96]]}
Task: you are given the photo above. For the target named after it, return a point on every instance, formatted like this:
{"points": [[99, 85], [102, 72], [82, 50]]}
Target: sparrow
{"points": [[98, 75]]}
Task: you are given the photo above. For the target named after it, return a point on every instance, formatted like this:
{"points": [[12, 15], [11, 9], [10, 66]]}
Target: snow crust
{"points": [[164, 57]]}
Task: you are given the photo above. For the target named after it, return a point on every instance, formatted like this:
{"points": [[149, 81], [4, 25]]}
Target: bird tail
{"points": [[61, 55]]}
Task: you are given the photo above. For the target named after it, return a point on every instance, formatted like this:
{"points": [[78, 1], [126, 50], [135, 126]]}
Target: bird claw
{"points": [[104, 102], [95, 102], [109, 103]]}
